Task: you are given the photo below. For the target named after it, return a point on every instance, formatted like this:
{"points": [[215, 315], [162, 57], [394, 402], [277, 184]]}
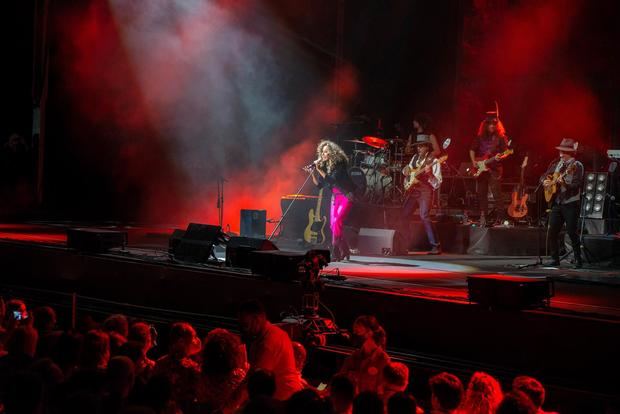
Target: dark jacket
{"points": [[571, 190], [338, 178]]}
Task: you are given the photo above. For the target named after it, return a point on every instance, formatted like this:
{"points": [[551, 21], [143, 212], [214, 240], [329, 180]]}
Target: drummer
{"points": [[422, 133]]}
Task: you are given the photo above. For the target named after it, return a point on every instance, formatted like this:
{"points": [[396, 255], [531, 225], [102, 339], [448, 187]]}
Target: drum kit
{"points": [[376, 165]]}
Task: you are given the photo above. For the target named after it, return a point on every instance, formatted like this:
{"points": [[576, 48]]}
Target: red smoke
{"points": [[114, 133], [262, 189]]}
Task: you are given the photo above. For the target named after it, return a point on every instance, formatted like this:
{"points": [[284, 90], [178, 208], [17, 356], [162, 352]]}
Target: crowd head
{"points": [[258, 372]]}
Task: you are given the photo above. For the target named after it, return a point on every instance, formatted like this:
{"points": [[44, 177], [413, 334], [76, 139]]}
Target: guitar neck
{"points": [[317, 213], [420, 170]]}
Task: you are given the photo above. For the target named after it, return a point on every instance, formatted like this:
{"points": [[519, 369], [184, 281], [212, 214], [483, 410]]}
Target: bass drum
{"points": [[358, 176], [371, 185]]}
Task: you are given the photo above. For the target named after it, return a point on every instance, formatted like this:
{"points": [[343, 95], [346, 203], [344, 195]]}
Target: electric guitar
{"points": [[482, 163], [315, 230], [412, 180], [518, 205], [555, 178]]}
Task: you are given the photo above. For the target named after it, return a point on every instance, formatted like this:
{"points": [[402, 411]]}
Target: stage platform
{"points": [[421, 300]]}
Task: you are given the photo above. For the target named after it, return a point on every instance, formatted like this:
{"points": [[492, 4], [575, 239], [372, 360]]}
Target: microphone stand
{"points": [[539, 260], [220, 200], [289, 206]]}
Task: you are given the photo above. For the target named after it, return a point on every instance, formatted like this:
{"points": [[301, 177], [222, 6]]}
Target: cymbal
{"points": [[357, 141], [375, 141]]}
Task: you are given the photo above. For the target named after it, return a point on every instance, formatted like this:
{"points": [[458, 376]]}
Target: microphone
{"points": [[311, 166]]}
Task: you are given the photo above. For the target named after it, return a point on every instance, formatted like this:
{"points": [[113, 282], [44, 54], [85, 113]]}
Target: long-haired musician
{"points": [[565, 204], [422, 131], [421, 192], [488, 144], [332, 171]]}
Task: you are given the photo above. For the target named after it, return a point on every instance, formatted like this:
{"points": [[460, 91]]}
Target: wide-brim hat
{"points": [[423, 139], [568, 144]]}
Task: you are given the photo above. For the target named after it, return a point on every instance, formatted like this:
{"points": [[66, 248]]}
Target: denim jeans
{"points": [[424, 199]]}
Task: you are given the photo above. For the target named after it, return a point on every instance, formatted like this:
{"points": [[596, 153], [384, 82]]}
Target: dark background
{"points": [[554, 69]]}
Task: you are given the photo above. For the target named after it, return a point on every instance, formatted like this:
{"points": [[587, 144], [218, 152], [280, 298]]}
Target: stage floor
{"points": [[592, 291]]}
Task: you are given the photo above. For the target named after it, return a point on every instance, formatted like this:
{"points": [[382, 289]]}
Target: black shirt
{"points": [[487, 147], [338, 178]]}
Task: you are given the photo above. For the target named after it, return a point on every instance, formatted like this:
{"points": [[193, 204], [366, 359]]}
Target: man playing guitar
{"points": [[490, 142], [566, 174], [421, 191]]}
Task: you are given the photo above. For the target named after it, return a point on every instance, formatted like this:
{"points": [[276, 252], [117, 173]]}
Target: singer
{"points": [[330, 170]]}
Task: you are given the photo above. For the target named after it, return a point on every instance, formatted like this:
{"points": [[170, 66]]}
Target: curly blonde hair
{"points": [[336, 154], [484, 393]]}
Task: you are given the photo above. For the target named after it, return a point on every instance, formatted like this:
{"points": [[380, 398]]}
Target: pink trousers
{"points": [[341, 206]]}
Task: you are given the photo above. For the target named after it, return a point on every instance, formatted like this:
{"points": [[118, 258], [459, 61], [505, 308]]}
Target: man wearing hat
{"points": [[421, 194], [565, 205]]}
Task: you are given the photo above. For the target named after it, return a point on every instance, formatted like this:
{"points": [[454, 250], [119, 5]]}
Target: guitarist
{"points": [[565, 205], [422, 192], [490, 142], [331, 170]]}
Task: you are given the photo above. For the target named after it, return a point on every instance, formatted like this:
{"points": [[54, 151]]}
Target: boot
{"points": [[345, 251], [555, 261], [436, 249], [335, 252], [577, 254]]}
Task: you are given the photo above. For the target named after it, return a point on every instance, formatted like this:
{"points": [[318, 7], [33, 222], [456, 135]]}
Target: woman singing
{"points": [[331, 171]]}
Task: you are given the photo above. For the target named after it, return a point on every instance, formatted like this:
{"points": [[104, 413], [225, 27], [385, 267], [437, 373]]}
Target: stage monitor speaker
{"points": [[95, 240], [278, 264], [175, 239], [384, 242], [253, 223], [196, 245], [238, 250], [602, 248], [287, 265], [511, 292]]}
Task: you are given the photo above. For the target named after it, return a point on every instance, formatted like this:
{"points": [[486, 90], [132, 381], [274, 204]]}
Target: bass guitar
{"points": [[518, 206], [482, 163], [315, 230], [412, 179], [555, 178]]}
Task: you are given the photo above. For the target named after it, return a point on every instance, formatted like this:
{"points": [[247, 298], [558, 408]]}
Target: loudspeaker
{"points": [[600, 248], [253, 223], [175, 239], [196, 245], [278, 264], [515, 292], [384, 242], [95, 240], [238, 250]]}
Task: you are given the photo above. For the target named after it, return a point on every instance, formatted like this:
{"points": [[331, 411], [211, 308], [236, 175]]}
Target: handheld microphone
{"points": [[311, 166]]}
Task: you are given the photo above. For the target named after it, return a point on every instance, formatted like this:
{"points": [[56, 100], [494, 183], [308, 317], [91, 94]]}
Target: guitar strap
{"points": [[563, 166]]}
